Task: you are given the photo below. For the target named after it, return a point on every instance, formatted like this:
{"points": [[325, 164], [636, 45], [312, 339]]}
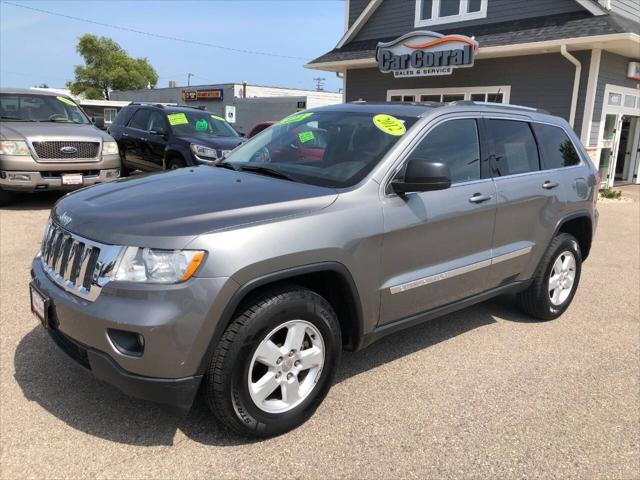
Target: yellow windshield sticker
{"points": [[216, 117], [67, 101], [295, 118], [177, 119], [202, 125], [389, 125], [305, 137]]}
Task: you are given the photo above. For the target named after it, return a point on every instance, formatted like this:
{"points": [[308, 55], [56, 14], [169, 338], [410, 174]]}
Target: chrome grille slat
{"points": [[80, 266]]}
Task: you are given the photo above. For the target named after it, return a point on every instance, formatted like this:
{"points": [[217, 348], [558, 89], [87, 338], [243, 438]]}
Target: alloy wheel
{"points": [[562, 278]]}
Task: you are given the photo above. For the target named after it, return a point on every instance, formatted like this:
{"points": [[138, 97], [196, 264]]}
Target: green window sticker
{"points": [[305, 137], [202, 125], [216, 117], [389, 125], [67, 101], [177, 119], [295, 118]]}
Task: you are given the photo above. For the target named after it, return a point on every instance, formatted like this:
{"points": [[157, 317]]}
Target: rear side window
{"points": [[123, 116], [140, 119], [515, 147], [556, 147], [456, 144]]}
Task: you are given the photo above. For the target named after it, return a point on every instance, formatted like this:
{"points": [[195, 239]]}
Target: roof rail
{"points": [[499, 105], [155, 104]]}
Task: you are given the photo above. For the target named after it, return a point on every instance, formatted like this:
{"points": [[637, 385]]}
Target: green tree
{"points": [[109, 67]]}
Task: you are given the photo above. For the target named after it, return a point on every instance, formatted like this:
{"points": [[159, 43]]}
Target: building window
{"points": [[497, 94], [110, 114], [436, 12]]}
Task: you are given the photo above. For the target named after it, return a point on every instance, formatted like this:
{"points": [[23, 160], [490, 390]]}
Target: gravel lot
{"points": [[481, 393]]}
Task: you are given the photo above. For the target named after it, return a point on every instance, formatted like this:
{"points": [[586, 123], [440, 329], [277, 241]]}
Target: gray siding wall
{"points": [[613, 70], [397, 17], [356, 7], [627, 8], [541, 81]]}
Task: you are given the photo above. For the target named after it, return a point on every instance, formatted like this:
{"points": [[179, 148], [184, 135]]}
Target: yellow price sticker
{"points": [[389, 125], [67, 101], [177, 119], [306, 137]]}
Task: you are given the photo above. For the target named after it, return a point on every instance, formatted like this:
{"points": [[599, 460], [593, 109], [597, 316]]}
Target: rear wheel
{"points": [[275, 362], [175, 162], [555, 281], [5, 198]]}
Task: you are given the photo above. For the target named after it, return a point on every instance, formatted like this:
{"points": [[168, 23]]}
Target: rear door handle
{"points": [[479, 198], [549, 185], [125, 134]]}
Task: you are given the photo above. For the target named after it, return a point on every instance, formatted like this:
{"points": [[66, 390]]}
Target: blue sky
{"points": [[39, 48]]}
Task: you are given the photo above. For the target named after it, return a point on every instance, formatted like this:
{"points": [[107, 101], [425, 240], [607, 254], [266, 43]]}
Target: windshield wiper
{"points": [[4, 117], [266, 171], [226, 165]]}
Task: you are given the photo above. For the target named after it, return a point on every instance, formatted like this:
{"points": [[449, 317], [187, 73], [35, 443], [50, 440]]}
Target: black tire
{"points": [[124, 170], [226, 387], [5, 198], [175, 162], [535, 300]]}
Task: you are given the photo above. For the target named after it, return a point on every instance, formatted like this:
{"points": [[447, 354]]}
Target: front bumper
{"points": [[49, 180], [176, 321]]}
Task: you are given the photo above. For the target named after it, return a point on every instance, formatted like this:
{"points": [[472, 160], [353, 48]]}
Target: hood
{"points": [[223, 143], [169, 209], [66, 131]]}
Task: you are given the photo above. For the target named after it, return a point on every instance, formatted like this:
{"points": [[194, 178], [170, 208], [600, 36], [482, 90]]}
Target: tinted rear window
{"points": [[515, 147], [556, 147], [141, 119], [123, 116]]}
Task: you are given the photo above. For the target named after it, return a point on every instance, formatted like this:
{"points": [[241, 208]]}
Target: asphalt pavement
{"points": [[483, 393]]}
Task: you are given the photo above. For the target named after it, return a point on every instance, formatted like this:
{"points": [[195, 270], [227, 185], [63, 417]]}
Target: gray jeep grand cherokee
{"points": [[250, 277], [48, 143]]}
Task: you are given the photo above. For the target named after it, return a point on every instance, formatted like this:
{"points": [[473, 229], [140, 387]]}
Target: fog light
{"points": [[127, 343], [113, 173], [20, 177]]}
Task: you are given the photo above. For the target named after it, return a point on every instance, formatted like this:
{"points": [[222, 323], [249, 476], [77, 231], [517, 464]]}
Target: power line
{"points": [[155, 35]]}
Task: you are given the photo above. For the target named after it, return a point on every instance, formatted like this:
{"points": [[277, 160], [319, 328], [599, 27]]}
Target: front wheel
{"points": [[275, 362], [5, 198], [555, 281]]}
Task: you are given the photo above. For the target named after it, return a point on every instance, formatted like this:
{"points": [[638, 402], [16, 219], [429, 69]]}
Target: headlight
{"points": [[157, 266], [14, 148], [109, 148], [202, 151]]}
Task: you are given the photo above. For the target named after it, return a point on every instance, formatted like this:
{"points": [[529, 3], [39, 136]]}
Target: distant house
{"points": [[579, 59]]}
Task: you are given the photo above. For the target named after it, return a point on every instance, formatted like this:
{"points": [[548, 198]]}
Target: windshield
{"points": [[200, 124], [331, 149], [40, 108]]}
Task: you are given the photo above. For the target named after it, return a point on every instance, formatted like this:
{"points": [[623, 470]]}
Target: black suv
{"points": [[157, 137]]}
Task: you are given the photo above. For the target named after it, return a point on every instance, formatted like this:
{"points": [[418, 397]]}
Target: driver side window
{"points": [[456, 144]]}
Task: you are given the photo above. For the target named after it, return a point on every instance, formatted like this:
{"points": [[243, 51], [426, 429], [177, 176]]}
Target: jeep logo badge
{"points": [[69, 149], [64, 219]]}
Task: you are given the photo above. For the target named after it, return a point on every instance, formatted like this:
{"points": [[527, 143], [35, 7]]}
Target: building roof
{"points": [[525, 31]]}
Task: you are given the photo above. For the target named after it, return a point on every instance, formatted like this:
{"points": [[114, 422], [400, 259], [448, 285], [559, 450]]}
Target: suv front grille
{"points": [[76, 264], [53, 150]]}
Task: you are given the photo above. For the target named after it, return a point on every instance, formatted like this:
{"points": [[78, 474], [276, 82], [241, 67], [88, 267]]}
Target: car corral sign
{"points": [[425, 54]]}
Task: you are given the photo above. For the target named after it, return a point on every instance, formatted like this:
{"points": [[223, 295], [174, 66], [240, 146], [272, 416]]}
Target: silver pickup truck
{"points": [[48, 143]]}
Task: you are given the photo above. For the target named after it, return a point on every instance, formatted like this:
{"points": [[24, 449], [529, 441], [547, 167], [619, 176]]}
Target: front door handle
{"points": [[549, 185], [125, 134], [479, 198]]}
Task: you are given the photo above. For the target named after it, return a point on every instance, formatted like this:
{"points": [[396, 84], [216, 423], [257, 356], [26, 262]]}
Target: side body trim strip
{"points": [[458, 271]]}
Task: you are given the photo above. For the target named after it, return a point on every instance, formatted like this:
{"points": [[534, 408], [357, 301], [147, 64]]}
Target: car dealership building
{"points": [[578, 59]]}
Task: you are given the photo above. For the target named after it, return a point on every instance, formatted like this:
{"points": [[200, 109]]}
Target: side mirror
{"points": [[98, 121], [423, 176]]}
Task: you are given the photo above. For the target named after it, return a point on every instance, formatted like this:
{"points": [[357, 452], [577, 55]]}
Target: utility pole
{"points": [[319, 81], [189, 75]]}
